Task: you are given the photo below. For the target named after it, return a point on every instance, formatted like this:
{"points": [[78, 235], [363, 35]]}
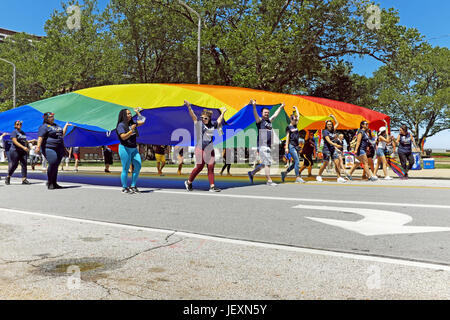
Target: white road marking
{"points": [[224, 195], [375, 222], [351, 256]]}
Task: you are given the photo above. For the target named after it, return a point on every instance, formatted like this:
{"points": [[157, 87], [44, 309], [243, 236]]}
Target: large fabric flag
{"points": [[94, 112]]}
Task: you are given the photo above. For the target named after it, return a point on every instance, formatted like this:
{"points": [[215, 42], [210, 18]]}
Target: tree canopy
{"points": [[289, 46]]}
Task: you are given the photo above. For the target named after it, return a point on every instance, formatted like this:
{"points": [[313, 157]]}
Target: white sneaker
{"points": [[299, 180], [319, 179], [271, 183], [341, 180], [373, 178], [388, 178]]}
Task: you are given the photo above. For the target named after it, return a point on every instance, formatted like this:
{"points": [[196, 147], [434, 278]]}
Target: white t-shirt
{"points": [[381, 144], [32, 148]]}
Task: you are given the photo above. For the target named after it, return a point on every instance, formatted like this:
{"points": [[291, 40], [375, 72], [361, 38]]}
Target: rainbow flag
{"points": [[395, 166]]}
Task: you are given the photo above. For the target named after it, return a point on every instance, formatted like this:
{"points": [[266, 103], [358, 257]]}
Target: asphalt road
{"points": [[258, 215]]}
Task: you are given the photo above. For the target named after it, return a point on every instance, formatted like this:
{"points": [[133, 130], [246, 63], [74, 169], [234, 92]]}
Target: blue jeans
{"points": [[296, 163], [128, 156], [54, 157]]}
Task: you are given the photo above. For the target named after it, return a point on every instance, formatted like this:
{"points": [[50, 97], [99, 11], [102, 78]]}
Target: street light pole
{"points": [[199, 37], [14, 80]]}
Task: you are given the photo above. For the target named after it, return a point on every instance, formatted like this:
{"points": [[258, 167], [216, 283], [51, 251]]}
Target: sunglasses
{"points": [[204, 118]]}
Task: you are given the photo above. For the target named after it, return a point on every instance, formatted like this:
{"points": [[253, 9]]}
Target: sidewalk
{"points": [[423, 174]]}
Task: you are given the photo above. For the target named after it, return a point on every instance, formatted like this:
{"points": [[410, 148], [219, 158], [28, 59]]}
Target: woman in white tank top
{"points": [[383, 139]]}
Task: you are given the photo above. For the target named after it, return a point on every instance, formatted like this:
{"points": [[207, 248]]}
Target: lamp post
{"points": [[199, 36], [14, 80]]}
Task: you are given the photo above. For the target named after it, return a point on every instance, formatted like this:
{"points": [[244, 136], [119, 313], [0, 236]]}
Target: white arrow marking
{"points": [[375, 222]]}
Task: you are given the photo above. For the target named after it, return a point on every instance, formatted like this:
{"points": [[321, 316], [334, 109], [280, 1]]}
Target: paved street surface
{"points": [[359, 240]]}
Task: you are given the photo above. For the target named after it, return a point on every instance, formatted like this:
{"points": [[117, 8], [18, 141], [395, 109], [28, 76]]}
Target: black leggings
{"points": [[226, 166], [406, 157], [14, 158]]}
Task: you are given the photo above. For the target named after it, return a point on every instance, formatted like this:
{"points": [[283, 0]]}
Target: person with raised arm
{"points": [[51, 140], [293, 147], [265, 134], [382, 141], [204, 148]]}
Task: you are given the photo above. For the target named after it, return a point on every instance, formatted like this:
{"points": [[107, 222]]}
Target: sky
{"points": [[431, 18]]}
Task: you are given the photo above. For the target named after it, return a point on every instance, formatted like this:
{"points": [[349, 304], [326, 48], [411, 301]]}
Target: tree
{"points": [[24, 54], [73, 58], [154, 38], [414, 90]]}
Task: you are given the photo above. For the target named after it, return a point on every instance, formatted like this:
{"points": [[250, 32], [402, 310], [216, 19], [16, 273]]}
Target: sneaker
{"points": [[107, 171], [349, 177], [319, 179], [26, 182], [387, 178], [283, 176], [51, 187], [299, 180], [214, 189], [135, 190], [126, 190], [271, 183], [373, 178], [57, 186], [7, 181], [341, 180], [188, 186], [250, 176]]}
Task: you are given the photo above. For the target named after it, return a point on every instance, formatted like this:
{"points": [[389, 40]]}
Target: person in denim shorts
{"points": [[362, 143], [330, 149]]}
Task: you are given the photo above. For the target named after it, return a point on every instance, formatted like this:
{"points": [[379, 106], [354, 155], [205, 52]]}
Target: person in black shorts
{"points": [[307, 152], [226, 155], [108, 157], [179, 151]]}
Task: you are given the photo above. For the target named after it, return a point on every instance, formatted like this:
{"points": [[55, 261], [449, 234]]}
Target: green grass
{"points": [[442, 166], [441, 154]]}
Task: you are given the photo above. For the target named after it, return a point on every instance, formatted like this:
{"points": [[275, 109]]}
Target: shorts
{"points": [[265, 156], [361, 153], [381, 152], [76, 156], [308, 161], [160, 157], [327, 155]]}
